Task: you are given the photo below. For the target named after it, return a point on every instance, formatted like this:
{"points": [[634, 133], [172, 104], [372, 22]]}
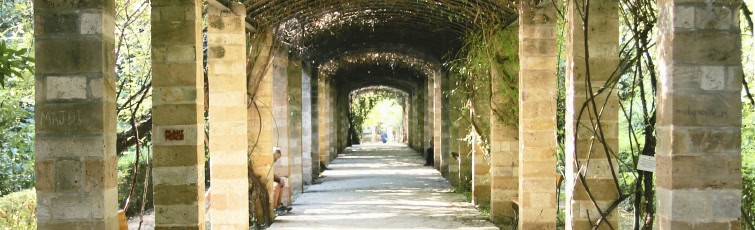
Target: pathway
{"points": [[381, 187]]}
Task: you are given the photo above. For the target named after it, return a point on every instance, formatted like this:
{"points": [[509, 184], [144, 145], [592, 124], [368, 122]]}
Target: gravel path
{"points": [[381, 187]]}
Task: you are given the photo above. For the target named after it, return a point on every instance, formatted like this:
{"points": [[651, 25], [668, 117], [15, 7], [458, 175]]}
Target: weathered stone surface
{"points": [[537, 104], [178, 113], [75, 115], [699, 115]]}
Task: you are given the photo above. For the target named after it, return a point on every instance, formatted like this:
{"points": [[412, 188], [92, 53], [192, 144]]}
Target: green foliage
{"points": [[17, 210], [363, 104], [485, 78], [16, 135], [15, 40], [125, 177], [16, 98], [13, 62]]}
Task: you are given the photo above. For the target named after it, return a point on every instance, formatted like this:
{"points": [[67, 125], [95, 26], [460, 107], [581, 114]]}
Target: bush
{"points": [[125, 177], [17, 210]]}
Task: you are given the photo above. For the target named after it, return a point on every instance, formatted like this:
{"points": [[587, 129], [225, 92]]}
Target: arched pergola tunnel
{"points": [[288, 88]]}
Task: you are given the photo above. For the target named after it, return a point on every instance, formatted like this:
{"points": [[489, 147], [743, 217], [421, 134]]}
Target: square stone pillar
{"points": [[226, 64], [437, 120], [589, 142], [75, 162], [295, 123], [260, 122], [454, 116], [537, 116], [480, 173], [324, 120], [429, 115], [281, 119], [699, 115], [437, 133], [333, 118], [504, 159], [178, 114], [442, 124], [465, 154], [309, 124]]}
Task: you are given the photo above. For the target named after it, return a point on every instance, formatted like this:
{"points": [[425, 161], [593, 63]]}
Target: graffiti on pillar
{"points": [[174, 135], [61, 118]]}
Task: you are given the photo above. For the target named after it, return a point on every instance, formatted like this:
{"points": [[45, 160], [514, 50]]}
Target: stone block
{"points": [[68, 55], [226, 52], [176, 95], [183, 114], [100, 174], [66, 146], [184, 215], [67, 5], [69, 176], [179, 175], [56, 23], [716, 17], [710, 110], [176, 33], [706, 48], [72, 207], [181, 53], [45, 175], [92, 23], [181, 194], [601, 189], [177, 155], [164, 75], [228, 172]]}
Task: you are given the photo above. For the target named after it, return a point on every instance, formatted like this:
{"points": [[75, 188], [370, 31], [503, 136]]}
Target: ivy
{"points": [[484, 77]]}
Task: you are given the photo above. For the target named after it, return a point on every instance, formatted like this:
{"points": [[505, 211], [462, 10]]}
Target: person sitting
{"points": [[430, 155], [280, 209]]}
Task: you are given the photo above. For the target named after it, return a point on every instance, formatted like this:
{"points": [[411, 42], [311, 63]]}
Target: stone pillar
{"points": [[428, 129], [419, 121], [260, 123], [454, 116], [281, 92], [323, 117], [437, 121], [178, 114], [333, 118], [480, 174], [504, 159], [440, 122], [295, 124], [699, 115], [75, 116], [582, 145], [465, 154], [314, 84], [226, 64], [306, 123], [537, 116]]}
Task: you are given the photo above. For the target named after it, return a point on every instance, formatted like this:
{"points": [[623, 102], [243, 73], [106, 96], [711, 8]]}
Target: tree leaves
{"points": [[13, 62]]}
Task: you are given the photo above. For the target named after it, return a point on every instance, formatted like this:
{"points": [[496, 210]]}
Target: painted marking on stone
{"points": [[174, 135]]}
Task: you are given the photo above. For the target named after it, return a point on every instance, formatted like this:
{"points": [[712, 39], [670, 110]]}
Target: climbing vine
{"points": [[484, 76]]}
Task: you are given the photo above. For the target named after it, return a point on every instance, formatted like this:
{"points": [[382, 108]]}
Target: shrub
{"points": [[125, 177], [17, 210]]}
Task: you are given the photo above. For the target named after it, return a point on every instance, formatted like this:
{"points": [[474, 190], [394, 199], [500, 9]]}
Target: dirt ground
{"points": [[381, 187]]}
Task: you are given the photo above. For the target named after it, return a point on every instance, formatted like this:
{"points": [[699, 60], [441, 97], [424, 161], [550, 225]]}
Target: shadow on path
{"points": [[381, 187]]}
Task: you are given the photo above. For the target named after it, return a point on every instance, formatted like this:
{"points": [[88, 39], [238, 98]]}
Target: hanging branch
{"points": [[147, 172], [135, 171]]}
